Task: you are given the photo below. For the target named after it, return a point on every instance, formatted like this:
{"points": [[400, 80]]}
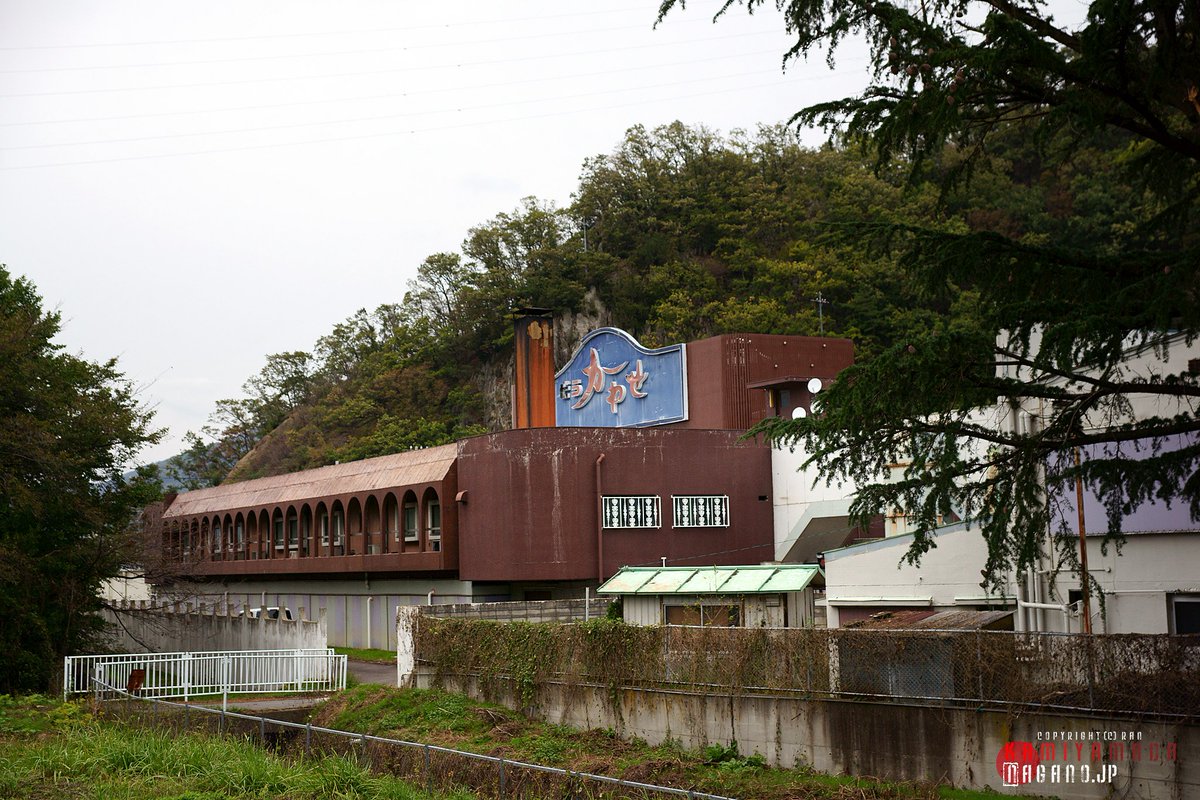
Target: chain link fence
{"points": [[1153, 675], [430, 767]]}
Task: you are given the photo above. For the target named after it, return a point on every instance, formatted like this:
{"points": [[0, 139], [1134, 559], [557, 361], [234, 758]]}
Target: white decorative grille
{"points": [[640, 511], [701, 511]]}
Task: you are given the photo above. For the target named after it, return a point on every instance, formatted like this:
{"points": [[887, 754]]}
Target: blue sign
{"points": [[614, 382]]}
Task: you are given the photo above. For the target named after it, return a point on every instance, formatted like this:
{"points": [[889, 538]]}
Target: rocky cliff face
{"points": [[494, 382]]}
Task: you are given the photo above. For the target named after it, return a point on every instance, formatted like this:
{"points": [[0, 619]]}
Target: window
{"points": [[394, 520], [279, 533], [293, 533], [700, 511], [1184, 613], [410, 522], [433, 524], [715, 615], [632, 511], [324, 526], [339, 526], [241, 535]]}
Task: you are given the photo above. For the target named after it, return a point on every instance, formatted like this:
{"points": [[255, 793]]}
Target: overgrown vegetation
{"points": [[1128, 673]]}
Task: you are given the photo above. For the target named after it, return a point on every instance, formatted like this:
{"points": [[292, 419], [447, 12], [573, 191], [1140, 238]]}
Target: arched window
{"points": [[215, 539], [433, 521], [293, 530], [239, 537], [264, 534], [391, 518], [409, 519], [372, 525], [339, 529], [306, 529], [322, 530]]}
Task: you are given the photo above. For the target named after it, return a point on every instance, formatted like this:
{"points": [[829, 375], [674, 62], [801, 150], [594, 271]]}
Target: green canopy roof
{"points": [[772, 578]]}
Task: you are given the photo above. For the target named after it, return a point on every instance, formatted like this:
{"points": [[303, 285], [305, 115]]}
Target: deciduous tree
{"points": [[69, 429]]}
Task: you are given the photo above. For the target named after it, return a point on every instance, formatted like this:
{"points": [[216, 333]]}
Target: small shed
{"points": [[916, 653], [768, 595]]}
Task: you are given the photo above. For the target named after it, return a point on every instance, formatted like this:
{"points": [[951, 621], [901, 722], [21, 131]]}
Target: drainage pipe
{"points": [[599, 522]]}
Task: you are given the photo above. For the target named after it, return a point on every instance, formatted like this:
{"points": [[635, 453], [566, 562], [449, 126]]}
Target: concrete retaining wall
{"points": [[885, 740], [139, 628]]}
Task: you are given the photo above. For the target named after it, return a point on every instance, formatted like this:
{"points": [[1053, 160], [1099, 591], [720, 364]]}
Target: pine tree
{"points": [[1057, 320]]}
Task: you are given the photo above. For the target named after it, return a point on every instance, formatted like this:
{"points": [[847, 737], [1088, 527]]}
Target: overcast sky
{"points": [[196, 185]]}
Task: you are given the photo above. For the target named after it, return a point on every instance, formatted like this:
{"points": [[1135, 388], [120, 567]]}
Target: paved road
{"points": [[363, 671], [370, 672]]}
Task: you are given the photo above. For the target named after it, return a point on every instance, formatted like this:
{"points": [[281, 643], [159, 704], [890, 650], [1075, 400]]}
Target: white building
{"points": [[1150, 585]]}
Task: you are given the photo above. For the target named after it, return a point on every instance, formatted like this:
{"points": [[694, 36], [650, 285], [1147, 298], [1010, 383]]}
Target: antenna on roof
{"points": [[821, 303]]}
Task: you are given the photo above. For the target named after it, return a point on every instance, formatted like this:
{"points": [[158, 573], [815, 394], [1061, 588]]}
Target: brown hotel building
{"points": [[529, 513]]}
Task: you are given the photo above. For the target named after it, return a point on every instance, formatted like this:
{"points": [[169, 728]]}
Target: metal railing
{"points": [[432, 766], [187, 675]]}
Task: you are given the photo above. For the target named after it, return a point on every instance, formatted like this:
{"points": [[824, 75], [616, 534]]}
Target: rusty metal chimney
{"points": [[533, 394]]}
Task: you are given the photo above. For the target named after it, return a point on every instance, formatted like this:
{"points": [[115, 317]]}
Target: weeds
{"points": [[46, 752]]}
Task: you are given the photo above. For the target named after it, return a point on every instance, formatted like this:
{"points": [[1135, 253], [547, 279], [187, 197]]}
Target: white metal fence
{"points": [[189, 675]]}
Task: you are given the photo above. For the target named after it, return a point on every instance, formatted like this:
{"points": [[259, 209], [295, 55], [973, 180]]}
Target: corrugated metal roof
{"points": [[922, 619], [385, 472], [711, 580], [665, 581], [625, 582]]}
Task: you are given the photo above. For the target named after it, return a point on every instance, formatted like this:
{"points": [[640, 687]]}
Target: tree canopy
{"points": [[678, 233], [69, 429], [1107, 112]]}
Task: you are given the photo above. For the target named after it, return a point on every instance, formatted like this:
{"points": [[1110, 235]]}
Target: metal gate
{"points": [[187, 675]]}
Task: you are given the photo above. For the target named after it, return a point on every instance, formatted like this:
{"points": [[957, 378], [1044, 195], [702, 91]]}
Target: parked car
{"points": [[274, 612]]}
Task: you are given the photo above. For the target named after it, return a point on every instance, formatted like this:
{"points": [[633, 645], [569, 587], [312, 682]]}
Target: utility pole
{"points": [[1084, 582]]}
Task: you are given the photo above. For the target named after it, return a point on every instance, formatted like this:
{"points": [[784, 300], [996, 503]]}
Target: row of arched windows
{"points": [[360, 526]]}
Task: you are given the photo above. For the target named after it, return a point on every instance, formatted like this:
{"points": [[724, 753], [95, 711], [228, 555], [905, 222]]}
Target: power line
{"points": [[352, 32], [379, 135], [389, 95], [388, 71], [321, 54], [370, 118]]}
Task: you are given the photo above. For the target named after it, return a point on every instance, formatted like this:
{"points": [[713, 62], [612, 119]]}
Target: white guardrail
{"points": [[187, 675]]}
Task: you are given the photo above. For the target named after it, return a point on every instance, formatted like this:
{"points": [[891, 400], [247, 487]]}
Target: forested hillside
{"points": [[677, 234]]}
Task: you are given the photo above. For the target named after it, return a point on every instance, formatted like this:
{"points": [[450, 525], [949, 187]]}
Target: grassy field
{"points": [[50, 749], [373, 655]]}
